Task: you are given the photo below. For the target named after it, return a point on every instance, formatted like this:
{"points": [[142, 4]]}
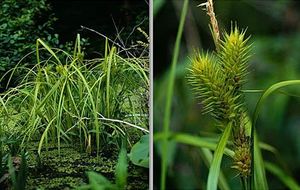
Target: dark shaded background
{"points": [[109, 17], [260, 17], [274, 26]]}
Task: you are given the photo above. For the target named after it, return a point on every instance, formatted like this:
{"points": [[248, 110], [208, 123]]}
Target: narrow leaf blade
{"points": [[214, 170], [208, 156], [285, 178], [260, 180]]}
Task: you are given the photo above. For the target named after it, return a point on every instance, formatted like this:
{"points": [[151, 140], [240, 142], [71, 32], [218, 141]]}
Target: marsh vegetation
{"points": [[69, 120]]}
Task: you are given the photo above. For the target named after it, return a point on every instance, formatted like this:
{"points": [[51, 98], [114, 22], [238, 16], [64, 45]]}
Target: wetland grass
{"points": [[65, 99]]}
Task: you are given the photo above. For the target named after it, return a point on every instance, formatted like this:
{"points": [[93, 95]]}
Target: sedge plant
{"points": [[65, 98], [217, 79]]}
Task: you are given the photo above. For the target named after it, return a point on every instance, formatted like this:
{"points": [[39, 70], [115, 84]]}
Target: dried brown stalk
{"points": [[214, 23]]}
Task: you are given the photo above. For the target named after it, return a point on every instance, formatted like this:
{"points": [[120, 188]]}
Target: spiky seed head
{"points": [[242, 160], [234, 56], [209, 85], [202, 62], [205, 81]]}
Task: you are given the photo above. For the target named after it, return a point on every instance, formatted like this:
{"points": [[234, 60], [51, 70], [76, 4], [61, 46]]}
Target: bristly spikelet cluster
{"points": [[205, 81], [216, 80], [208, 83], [234, 55]]}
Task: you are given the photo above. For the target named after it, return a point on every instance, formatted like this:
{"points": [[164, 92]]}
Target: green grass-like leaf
{"points": [[198, 142], [259, 178], [214, 170], [44, 136], [268, 92], [169, 96], [259, 173], [208, 156], [121, 170], [285, 178], [39, 41]]}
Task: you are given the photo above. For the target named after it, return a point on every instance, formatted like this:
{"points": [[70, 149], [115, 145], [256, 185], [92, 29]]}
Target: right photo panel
{"points": [[226, 99]]}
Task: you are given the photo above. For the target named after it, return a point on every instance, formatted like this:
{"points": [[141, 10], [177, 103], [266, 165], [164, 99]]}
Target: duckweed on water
{"points": [[68, 170]]}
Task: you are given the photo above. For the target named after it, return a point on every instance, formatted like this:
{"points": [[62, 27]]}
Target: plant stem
{"points": [[169, 96], [245, 183]]}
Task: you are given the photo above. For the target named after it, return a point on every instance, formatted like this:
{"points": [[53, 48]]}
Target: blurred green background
{"points": [[274, 27]]}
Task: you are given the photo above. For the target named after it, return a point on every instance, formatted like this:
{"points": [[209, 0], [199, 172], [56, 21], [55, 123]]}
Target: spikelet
{"points": [[242, 154], [233, 56], [209, 85], [242, 160]]}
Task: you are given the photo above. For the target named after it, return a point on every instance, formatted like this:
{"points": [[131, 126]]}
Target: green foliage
{"points": [[18, 175], [207, 157], [99, 182], [170, 88], [278, 115], [77, 99], [214, 170], [121, 170], [139, 154], [259, 178], [21, 23], [284, 177]]}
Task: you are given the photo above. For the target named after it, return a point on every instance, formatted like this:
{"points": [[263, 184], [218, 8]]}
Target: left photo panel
{"points": [[74, 94]]}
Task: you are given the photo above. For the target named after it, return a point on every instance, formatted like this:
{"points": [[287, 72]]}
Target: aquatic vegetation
{"points": [[97, 181], [14, 171], [70, 168], [68, 108], [67, 98], [19, 171], [139, 154]]}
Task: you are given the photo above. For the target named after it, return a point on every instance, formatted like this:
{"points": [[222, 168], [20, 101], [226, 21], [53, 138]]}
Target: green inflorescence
{"points": [[217, 79], [233, 56]]}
